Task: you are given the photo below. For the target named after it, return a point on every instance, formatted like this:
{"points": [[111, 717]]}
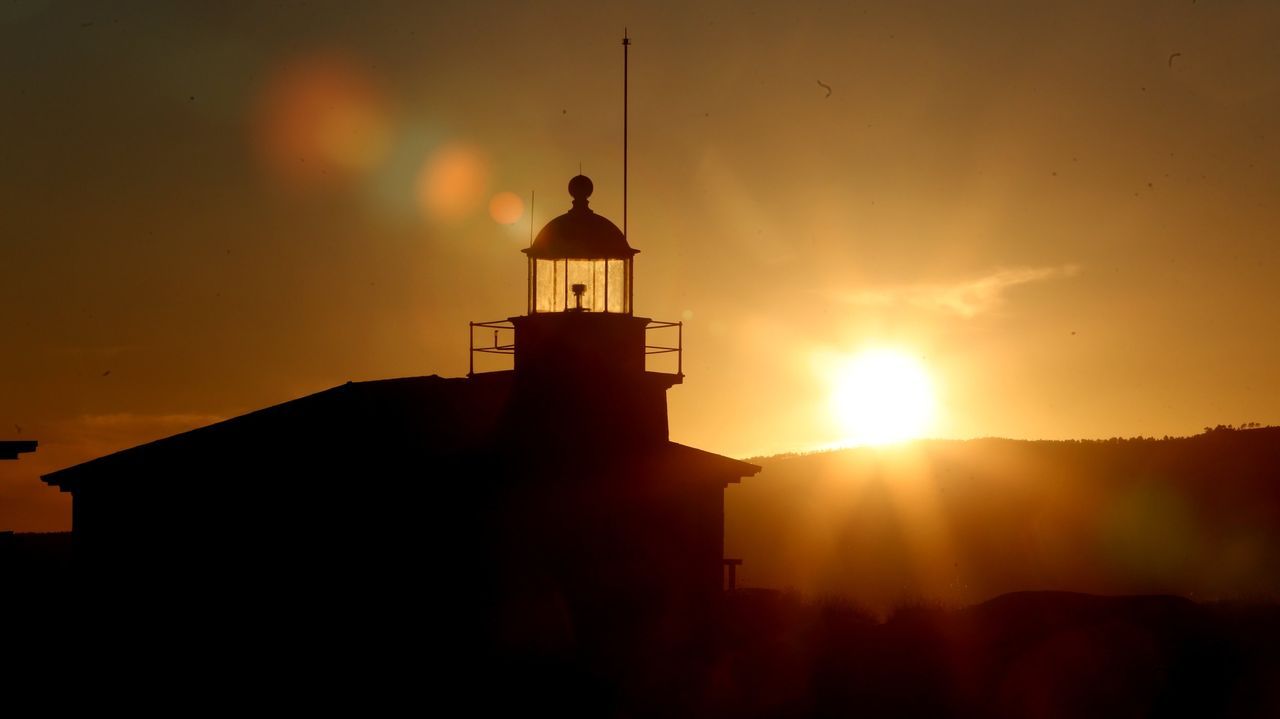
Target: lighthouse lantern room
{"points": [[580, 262]]}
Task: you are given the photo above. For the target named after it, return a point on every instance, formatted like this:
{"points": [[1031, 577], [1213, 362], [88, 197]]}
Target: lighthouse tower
{"points": [[623, 525], [580, 351]]}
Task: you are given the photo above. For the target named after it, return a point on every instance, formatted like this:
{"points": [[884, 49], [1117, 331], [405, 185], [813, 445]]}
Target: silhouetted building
{"points": [[11, 449], [541, 506]]}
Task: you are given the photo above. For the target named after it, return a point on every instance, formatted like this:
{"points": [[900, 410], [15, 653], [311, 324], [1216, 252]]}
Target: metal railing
{"points": [[662, 349], [499, 348]]}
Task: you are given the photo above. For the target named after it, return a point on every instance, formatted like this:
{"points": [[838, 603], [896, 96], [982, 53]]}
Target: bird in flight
{"points": [[826, 87]]}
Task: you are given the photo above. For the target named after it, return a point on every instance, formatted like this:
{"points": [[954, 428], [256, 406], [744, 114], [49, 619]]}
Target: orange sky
{"points": [[207, 211]]}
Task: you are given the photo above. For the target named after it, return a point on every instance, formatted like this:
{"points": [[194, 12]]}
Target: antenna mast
{"points": [[626, 48]]}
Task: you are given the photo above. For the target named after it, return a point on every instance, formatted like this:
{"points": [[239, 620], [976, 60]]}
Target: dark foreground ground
{"points": [[1026, 654], [339, 646]]}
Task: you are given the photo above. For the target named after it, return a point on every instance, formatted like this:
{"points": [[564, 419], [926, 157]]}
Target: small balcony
{"points": [[494, 338], [490, 341]]}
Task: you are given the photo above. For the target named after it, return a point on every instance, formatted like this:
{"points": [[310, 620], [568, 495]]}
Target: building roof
{"points": [[675, 455], [414, 418], [11, 449], [428, 415]]}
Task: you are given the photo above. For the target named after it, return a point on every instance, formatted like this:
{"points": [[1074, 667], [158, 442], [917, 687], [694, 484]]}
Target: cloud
{"points": [[133, 422], [94, 435], [28, 505], [967, 298], [97, 351]]}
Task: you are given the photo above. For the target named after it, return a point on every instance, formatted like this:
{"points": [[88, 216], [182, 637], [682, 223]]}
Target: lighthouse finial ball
{"points": [[580, 188]]}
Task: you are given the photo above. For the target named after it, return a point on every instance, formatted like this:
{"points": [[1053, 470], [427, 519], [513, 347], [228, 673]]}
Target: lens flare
{"points": [[452, 183], [881, 396], [321, 120], [506, 208]]}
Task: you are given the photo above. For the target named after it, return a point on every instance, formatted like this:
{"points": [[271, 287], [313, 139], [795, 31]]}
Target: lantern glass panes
{"points": [[604, 285]]}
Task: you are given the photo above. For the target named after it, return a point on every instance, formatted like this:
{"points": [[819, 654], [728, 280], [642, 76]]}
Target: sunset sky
{"points": [[1068, 213]]}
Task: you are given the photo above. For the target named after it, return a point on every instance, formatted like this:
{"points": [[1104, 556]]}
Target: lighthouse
{"points": [[580, 352], [623, 524]]}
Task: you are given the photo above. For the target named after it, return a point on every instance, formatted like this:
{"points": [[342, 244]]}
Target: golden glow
{"points": [[322, 120], [452, 182], [881, 396], [506, 208], [225, 167]]}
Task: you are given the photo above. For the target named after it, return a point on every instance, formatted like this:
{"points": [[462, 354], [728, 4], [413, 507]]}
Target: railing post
{"points": [[680, 348], [471, 348]]}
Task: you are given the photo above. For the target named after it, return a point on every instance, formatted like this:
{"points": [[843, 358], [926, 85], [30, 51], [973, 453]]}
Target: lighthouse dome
{"points": [[580, 233]]}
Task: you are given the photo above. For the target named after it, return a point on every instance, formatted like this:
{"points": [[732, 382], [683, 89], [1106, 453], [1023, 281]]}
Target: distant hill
{"points": [[959, 522]]}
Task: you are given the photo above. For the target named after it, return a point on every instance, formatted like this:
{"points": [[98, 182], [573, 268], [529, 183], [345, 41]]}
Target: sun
{"points": [[882, 396]]}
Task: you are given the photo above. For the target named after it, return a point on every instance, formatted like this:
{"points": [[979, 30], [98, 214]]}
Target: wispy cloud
{"points": [[97, 351], [97, 434], [69, 441], [966, 298], [130, 422]]}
